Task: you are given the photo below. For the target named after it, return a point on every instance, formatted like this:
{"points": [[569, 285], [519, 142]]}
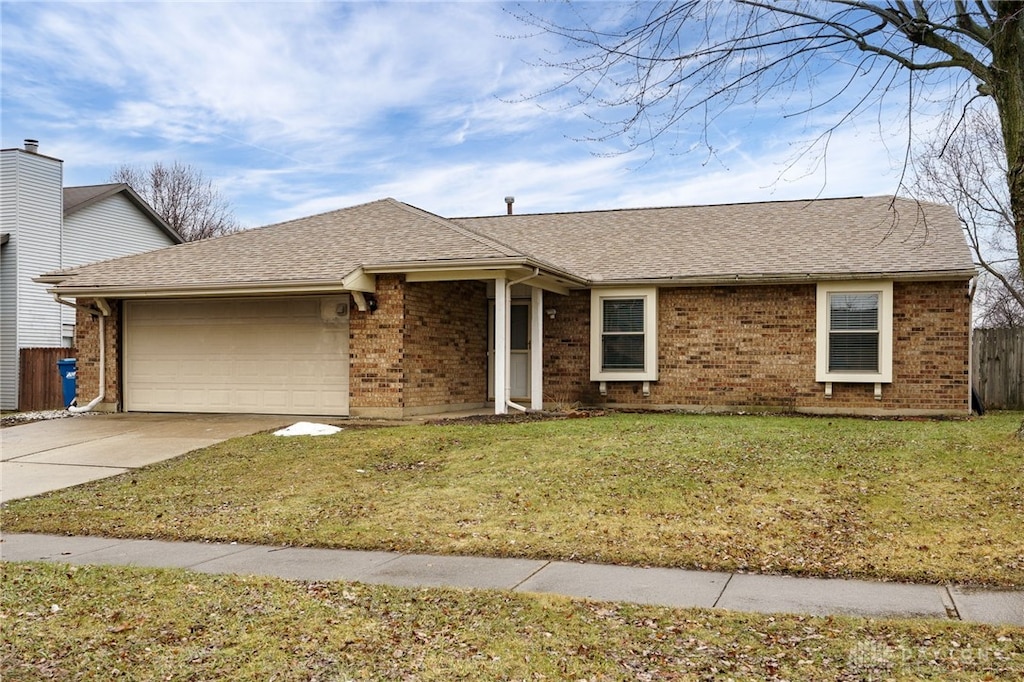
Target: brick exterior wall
{"points": [[567, 351], [753, 347], [88, 365], [424, 347], [375, 349], [932, 337], [445, 343], [743, 347]]}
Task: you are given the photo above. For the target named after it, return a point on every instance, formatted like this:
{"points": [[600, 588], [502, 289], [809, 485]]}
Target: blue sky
{"points": [[298, 108]]}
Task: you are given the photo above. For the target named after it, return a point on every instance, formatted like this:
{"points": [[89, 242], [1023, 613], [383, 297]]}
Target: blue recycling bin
{"points": [[68, 378]]}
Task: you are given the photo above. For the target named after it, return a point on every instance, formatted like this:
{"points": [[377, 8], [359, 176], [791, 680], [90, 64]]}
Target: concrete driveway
{"points": [[59, 453]]}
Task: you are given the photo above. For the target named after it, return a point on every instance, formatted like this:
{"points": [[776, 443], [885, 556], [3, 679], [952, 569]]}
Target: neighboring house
{"points": [[856, 305], [45, 227]]}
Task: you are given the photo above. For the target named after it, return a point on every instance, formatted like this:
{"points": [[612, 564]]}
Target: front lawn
{"points": [[925, 501], [89, 622]]}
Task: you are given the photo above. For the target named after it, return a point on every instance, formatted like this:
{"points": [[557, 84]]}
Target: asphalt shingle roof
{"points": [[825, 237], [324, 247], [74, 197]]}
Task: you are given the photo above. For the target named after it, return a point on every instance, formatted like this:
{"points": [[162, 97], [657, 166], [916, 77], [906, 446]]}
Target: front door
{"points": [[519, 345]]}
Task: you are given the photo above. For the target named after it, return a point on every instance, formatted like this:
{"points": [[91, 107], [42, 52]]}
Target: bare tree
{"points": [[965, 169], [182, 196], [999, 308], [670, 62]]}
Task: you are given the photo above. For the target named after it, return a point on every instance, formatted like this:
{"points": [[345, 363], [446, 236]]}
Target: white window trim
{"points": [[884, 289], [650, 371]]}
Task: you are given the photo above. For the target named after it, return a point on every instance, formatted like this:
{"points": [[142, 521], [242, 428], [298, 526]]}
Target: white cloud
{"points": [[296, 108]]}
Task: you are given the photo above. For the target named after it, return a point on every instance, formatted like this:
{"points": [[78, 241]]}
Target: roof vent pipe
{"points": [[32, 146], [508, 202]]}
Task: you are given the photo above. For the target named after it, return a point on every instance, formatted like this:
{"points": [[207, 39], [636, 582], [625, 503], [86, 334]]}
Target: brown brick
{"points": [[425, 346], [88, 365], [743, 347], [754, 347]]}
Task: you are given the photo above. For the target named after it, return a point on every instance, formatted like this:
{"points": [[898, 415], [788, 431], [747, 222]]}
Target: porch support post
{"points": [[502, 313], [537, 348]]}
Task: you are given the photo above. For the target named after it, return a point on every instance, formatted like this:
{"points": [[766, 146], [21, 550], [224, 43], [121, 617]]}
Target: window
{"points": [[853, 332], [624, 344], [622, 334], [854, 336]]}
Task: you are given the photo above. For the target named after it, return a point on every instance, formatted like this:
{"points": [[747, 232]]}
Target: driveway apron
{"points": [[59, 453]]}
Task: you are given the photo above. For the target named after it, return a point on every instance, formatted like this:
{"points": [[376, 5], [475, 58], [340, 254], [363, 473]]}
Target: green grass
{"points": [[924, 501], [72, 622]]}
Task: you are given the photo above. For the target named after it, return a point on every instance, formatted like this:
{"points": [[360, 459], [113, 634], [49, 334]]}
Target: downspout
{"points": [[101, 311], [972, 288], [508, 297]]}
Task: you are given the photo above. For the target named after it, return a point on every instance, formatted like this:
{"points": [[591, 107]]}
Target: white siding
{"points": [[110, 228], [8, 285], [32, 208]]}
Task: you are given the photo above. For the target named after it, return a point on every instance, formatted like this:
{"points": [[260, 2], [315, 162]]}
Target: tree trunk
{"points": [[1007, 86]]}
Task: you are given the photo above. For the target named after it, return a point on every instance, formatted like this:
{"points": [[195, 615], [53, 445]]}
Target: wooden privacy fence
{"points": [[999, 367], [40, 386]]}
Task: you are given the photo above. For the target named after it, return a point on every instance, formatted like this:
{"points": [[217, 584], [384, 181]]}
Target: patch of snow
{"points": [[307, 429]]}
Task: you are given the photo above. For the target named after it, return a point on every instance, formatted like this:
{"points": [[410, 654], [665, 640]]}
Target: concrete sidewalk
{"points": [[659, 586]]}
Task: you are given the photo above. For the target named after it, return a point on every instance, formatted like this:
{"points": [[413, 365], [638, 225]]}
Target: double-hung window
{"points": [[624, 343], [853, 331], [854, 335]]}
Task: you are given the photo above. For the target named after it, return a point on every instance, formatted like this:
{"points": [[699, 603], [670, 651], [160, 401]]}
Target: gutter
{"points": [[202, 290], [740, 280], [482, 264], [336, 286], [102, 311]]}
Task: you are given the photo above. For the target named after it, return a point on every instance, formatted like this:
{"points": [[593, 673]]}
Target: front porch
{"points": [[444, 342]]}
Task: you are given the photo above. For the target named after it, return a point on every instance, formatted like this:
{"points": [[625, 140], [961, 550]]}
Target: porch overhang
{"points": [[540, 275]]}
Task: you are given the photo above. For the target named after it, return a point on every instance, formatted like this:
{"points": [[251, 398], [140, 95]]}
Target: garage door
{"points": [[269, 356]]}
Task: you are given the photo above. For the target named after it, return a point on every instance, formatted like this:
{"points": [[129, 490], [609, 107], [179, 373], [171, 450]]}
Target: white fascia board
{"points": [[487, 267], [541, 281], [457, 275], [200, 291], [809, 278], [359, 280]]}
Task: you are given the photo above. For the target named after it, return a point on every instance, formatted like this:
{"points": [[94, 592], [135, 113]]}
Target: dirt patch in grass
{"points": [[514, 417], [917, 501], [81, 622]]}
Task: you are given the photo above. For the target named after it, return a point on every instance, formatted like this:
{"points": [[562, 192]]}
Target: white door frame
{"points": [[520, 359], [536, 348], [501, 352]]}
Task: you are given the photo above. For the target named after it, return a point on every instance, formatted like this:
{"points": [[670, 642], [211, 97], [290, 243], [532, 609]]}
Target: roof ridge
{"points": [[268, 226], [100, 184], [313, 215], [681, 206]]}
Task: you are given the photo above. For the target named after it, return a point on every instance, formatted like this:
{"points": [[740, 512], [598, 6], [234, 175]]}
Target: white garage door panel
{"points": [[274, 356]]}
